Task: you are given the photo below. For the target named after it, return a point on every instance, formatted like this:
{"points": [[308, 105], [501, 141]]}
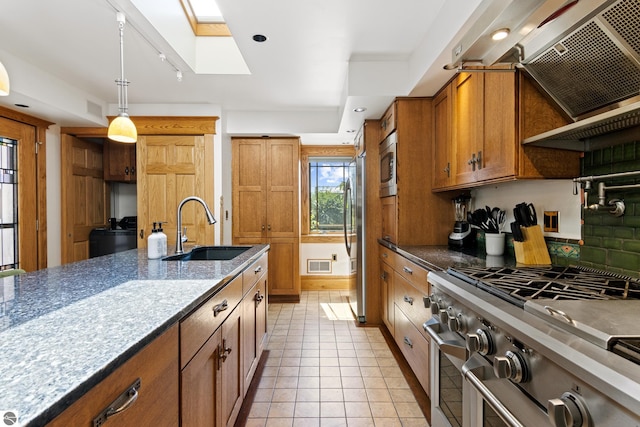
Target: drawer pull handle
{"points": [[257, 270], [407, 270], [220, 307], [408, 299], [258, 298], [408, 342], [385, 255], [387, 238], [121, 404]]}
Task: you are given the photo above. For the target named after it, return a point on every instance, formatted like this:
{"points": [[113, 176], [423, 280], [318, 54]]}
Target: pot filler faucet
{"points": [[210, 218]]}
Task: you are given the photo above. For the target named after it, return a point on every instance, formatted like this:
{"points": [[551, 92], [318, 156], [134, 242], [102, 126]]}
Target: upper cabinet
{"points": [[480, 119], [119, 161]]}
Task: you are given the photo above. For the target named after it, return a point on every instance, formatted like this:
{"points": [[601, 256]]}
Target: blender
{"points": [[462, 235]]}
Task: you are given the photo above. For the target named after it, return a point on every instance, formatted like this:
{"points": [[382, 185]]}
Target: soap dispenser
{"points": [[162, 242], [153, 244]]}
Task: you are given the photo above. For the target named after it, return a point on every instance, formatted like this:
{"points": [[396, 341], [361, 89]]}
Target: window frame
{"points": [[307, 152]]}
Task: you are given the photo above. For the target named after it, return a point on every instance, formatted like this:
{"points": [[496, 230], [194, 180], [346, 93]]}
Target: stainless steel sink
{"points": [[209, 253]]}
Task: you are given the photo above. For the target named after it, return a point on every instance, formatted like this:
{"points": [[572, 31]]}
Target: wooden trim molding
{"points": [[154, 125], [204, 29], [322, 238], [24, 118], [323, 283]]}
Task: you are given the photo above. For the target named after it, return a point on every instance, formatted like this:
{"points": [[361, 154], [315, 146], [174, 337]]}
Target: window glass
{"points": [[8, 204], [327, 178]]}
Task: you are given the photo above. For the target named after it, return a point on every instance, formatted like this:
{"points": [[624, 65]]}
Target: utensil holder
{"points": [[533, 251], [494, 243]]}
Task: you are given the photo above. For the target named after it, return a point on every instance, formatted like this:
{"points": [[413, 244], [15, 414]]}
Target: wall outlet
{"points": [[334, 257], [551, 221]]}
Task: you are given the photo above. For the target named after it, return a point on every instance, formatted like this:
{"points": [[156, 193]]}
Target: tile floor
{"points": [[322, 370]]}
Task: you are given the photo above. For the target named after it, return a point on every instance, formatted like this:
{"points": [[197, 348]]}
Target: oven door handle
{"points": [[474, 364], [452, 347]]}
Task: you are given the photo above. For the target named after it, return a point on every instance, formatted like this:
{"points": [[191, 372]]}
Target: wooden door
{"points": [[499, 139], [389, 219], [25, 135], [200, 382], [442, 149], [467, 96], [232, 380], [85, 196], [249, 189], [170, 168], [284, 267], [119, 161], [282, 187]]}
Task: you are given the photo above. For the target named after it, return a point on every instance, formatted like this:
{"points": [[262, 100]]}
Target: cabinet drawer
{"points": [[252, 273], [409, 300], [156, 367], [388, 256], [415, 274], [414, 347], [202, 323], [388, 122]]}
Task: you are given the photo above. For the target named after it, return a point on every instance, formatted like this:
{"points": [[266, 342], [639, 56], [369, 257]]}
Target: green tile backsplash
{"points": [[612, 243]]}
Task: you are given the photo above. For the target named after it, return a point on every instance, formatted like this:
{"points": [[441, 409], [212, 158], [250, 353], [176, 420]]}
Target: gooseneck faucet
{"points": [[210, 218]]}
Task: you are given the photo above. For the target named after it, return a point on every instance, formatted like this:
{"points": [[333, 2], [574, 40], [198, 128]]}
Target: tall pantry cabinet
{"points": [[266, 187]]}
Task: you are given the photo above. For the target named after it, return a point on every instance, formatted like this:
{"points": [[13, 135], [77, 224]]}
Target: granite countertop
{"points": [[64, 329], [442, 257]]}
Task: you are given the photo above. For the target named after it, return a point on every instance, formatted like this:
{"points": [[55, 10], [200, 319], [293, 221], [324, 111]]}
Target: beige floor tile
{"points": [[414, 422], [290, 361], [279, 422], [310, 352], [396, 382], [330, 382], [309, 361], [375, 382], [307, 410], [333, 422], [309, 382], [332, 410], [355, 395], [350, 371], [292, 353], [255, 422], [270, 371], [267, 382], [352, 382], [360, 422], [259, 410], [368, 371], [331, 395], [391, 371], [286, 382], [309, 371], [402, 395], [289, 371], [308, 395], [306, 422], [263, 395], [387, 422], [408, 409], [357, 409], [329, 361], [284, 395], [281, 410], [347, 361], [347, 352], [378, 395], [383, 410]]}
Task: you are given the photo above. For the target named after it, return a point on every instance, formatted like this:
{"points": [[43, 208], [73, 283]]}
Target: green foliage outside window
{"points": [[327, 180]]}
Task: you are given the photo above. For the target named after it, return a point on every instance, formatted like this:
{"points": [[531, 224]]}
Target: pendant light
{"points": [[4, 81], [122, 128]]}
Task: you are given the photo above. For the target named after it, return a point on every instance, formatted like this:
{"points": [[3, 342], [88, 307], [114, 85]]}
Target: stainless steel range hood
{"points": [[587, 58]]}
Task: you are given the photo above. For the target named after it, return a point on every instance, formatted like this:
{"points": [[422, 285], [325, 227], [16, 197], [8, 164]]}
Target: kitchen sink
{"points": [[209, 253]]}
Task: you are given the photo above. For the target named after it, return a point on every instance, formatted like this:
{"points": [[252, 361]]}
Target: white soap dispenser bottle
{"points": [[153, 248], [162, 242]]}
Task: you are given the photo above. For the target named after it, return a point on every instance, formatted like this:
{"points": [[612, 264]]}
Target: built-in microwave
{"points": [[388, 177]]}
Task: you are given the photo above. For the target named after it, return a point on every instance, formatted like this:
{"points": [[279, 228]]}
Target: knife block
{"points": [[533, 251]]}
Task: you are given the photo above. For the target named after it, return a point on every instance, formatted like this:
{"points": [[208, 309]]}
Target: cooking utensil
{"points": [[517, 232], [525, 214]]}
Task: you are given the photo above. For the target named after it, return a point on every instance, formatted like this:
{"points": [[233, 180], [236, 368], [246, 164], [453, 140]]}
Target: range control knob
{"points": [[433, 304], [455, 321], [512, 366], [481, 342], [568, 411]]}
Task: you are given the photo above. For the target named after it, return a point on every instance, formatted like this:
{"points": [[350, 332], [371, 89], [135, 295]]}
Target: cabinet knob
{"points": [[133, 170], [447, 170], [408, 299], [126, 170]]}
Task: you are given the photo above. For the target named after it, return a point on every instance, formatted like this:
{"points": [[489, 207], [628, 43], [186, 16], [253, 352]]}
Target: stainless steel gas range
{"points": [[534, 347]]}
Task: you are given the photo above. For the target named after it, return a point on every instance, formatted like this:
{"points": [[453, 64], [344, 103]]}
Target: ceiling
{"points": [[320, 61]]}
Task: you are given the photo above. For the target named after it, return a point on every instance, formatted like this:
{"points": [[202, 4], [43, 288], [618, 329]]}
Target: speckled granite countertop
{"points": [[441, 257], [64, 329]]}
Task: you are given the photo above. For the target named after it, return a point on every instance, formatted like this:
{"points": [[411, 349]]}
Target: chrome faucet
{"points": [[210, 218]]}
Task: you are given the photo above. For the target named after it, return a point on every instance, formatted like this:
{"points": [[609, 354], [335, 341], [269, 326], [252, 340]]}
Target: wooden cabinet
{"points": [[119, 161], [155, 369], [480, 119], [388, 122], [404, 287], [254, 326], [266, 206], [415, 215]]}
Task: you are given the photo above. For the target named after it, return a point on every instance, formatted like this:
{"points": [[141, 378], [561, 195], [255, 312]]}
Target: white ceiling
{"points": [[321, 60]]}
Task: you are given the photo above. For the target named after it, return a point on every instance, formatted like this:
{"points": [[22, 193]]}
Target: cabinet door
{"points": [[253, 328], [119, 161], [442, 143], [200, 381], [467, 96], [284, 267], [282, 188], [386, 278], [156, 366], [231, 378], [171, 168], [249, 188], [499, 143], [389, 219]]}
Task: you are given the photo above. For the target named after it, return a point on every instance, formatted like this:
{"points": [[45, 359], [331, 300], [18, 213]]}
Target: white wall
{"points": [[323, 251], [546, 195], [124, 201]]}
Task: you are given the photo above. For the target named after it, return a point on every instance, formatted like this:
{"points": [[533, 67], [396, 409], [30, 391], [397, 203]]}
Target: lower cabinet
{"points": [[404, 286], [145, 388], [254, 328]]}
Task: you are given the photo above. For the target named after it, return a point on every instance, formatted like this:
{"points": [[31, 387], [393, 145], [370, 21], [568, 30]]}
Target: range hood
{"points": [[585, 54]]}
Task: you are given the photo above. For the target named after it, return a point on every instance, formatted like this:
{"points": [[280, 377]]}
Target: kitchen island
{"points": [[65, 329]]}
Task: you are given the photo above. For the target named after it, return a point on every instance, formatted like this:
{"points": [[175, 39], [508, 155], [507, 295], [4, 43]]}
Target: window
{"points": [[8, 204], [327, 179]]}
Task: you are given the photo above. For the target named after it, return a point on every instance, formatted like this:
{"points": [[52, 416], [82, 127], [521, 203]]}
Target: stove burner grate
{"points": [[517, 285]]}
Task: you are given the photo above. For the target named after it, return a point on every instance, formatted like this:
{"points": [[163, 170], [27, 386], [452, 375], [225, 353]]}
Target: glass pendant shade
{"points": [[122, 129], [4, 81]]}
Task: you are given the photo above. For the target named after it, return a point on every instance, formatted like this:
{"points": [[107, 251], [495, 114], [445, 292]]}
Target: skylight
{"points": [[206, 11]]}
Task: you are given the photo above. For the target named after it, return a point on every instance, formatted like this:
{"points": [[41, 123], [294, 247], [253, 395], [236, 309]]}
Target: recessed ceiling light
{"points": [[351, 130], [500, 34], [21, 105], [359, 109], [259, 38]]}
